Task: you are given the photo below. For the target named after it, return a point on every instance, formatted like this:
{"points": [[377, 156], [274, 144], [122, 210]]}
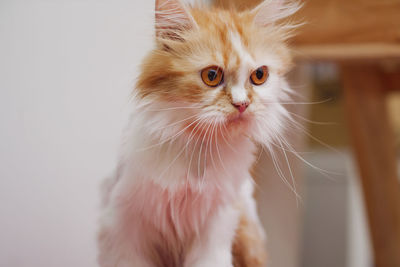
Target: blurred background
{"points": [[66, 72]]}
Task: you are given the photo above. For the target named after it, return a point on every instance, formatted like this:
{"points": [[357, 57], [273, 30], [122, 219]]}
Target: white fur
{"points": [[216, 249], [143, 162]]}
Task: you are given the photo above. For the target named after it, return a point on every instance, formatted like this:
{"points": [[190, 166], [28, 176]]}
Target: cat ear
{"points": [[270, 11], [172, 18]]}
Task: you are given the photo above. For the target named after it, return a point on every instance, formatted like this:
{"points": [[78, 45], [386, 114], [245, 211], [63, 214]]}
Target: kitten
{"points": [[210, 90]]}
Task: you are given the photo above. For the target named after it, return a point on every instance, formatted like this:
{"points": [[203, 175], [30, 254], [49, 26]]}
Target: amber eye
{"points": [[260, 75], [212, 76]]}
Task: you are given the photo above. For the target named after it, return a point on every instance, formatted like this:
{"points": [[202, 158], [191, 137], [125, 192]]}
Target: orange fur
{"points": [[171, 70], [248, 248]]}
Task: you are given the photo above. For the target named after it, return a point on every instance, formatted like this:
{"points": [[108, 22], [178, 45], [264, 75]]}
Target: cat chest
{"points": [[169, 221], [174, 214]]}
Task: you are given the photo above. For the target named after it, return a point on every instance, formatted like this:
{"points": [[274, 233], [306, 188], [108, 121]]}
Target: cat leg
{"points": [[249, 248], [116, 249], [213, 247]]}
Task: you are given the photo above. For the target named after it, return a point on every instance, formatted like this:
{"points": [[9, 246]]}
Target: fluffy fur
{"points": [[182, 189]]}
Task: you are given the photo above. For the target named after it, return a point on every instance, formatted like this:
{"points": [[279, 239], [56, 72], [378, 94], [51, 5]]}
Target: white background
{"points": [[66, 72]]}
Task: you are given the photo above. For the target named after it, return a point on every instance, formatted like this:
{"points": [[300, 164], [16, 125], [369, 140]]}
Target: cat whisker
{"points": [[280, 173], [223, 137], [175, 123], [277, 166], [322, 171], [298, 103], [194, 147], [211, 144], [198, 162], [258, 156], [311, 121], [287, 150], [217, 148], [177, 156], [190, 138], [186, 146], [175, 108], [290, 171], [169, 138], [253, 181], [205, 156], [301, 128]]}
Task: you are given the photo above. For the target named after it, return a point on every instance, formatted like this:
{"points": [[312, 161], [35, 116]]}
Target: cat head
{"points": [[219, 66]]}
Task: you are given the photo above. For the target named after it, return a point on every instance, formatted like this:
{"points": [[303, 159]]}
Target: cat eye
{"points": [[259, 76], [212, 76]]}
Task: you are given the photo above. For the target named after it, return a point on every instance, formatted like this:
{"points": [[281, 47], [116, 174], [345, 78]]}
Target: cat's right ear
{"points": [[270, 11], [172, 18]]}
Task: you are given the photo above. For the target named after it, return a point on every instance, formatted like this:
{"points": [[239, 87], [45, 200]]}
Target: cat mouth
{"points": [[238, 118]]}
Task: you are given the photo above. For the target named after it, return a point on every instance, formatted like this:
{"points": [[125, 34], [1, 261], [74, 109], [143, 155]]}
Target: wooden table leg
{"points": [[373, 143]]}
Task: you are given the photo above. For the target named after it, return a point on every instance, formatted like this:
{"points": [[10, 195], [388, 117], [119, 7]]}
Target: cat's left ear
{"points": [[172, 18], [270, 11]]}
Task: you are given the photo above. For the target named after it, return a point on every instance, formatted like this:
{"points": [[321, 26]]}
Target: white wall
{"points": [[66, 70]]}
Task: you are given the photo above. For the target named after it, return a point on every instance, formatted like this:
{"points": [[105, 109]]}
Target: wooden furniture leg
{"points": [[373, 143]]}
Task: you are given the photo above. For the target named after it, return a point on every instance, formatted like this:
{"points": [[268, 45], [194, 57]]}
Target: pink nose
{"points": [[242, 106]]}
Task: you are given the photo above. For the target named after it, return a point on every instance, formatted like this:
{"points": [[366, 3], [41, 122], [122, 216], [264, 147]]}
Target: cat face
{"points": [[228, 66]]}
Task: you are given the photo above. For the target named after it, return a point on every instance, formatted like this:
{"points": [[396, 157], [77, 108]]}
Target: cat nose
{"points": [[241, 106]]}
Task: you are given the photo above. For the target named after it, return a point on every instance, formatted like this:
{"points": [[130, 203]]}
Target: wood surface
{"points": [[348, 30], [349, 22], [392, 79], [341, 30], [331, 22], [375, 151], [346, 52], [238, 4]]}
